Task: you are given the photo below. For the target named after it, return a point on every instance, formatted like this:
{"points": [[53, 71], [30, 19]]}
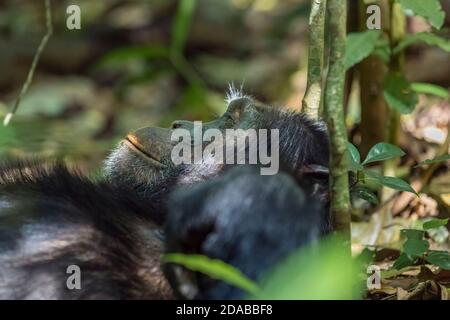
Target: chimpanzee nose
{"points": [[153, 142]]}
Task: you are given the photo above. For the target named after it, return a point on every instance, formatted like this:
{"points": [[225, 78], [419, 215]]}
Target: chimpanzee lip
{"points": [[140, 151]]}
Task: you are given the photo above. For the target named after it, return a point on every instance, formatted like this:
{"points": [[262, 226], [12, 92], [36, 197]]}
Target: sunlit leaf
{"points": [[383, 151], [428, 9], [432, 89], [213, 268]]}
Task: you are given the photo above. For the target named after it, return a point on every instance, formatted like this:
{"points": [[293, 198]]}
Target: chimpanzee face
{"points": [[143, 158]]}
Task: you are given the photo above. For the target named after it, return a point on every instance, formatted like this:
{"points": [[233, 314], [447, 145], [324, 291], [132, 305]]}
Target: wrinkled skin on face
{"points": [[143, 158]]}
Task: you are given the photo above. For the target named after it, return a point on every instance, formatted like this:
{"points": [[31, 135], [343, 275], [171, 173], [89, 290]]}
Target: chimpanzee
{"points": [[52, 218]]}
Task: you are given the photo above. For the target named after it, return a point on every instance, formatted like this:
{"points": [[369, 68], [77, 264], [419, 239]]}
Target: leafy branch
{"points": [[380, 152]]}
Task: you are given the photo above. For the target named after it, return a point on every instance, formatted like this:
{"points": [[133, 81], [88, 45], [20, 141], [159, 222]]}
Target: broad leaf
{"points": [[442, 158], [383, 151], [428, 9], [322, 271], [426, 37], [214, 268], [399, 94], [354, 158], [391, 182], [415, 248], [413, 234], [439, 258], [397, 184], [435, 223], [359, 46], [403, 261], [366, 194]]}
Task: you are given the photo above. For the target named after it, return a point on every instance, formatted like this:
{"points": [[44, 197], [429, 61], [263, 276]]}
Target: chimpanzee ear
{"points": [[316, 171]]}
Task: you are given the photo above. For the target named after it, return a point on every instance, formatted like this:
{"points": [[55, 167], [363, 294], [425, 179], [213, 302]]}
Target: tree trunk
{"points": [[313, 94], [334, 113], [372, 72]]}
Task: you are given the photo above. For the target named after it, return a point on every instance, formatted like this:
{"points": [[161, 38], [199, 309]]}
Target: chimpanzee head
{"points": [[144, 159]]}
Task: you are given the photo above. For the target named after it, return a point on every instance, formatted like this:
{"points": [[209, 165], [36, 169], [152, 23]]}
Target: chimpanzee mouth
{"points": [[139, 150]]}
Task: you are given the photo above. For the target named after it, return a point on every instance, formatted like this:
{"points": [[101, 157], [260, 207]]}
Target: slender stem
{"points": [[40, 49], [313, 94], [334, 113]]}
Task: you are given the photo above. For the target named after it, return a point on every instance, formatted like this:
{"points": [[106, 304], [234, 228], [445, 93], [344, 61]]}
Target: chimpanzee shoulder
{"points": [[52, 218]]}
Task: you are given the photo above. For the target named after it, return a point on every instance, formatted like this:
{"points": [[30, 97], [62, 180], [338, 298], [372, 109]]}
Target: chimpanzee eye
{"points": [[229, 117], [235, 111]]}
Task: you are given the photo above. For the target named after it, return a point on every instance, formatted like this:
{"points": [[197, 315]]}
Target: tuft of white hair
{"points": [[234, 93]]}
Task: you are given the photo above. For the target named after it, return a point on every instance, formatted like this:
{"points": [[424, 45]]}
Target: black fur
{"points": [[247, 220], [51, 218]]}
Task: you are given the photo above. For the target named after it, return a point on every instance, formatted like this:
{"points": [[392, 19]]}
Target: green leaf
{"points": [[383, 49], [435, 223], [403, 261], [413, 234], [399, 94], [355, 158], [181, 25], [391, 182], [213, 268], [428, 9], [397, 184], [432, 89], [439, 258], [366, 194], [321, 271], [415, 248], [359, 46], [426, 37], [383, 151], [442, 158]]}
